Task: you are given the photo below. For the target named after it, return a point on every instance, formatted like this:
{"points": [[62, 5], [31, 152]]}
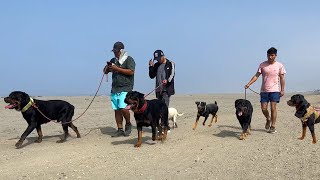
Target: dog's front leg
{"points": [[29, 129], [65, 135], [138, 144], [242, 136], [304, 130], [40, 135], [205, 119], [244, 132], [196, 123], [249, 130]]}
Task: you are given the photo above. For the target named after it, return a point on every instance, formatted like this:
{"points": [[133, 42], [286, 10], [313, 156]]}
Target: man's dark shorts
{"points": [[266, 97]]}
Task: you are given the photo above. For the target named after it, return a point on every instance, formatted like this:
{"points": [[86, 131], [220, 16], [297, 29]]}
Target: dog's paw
{"points": [[61, 141], [301, 138], [242, 137], [210, 125], [18, 144], [314, 142], [194, 127], [38, 141], [137, 145]]}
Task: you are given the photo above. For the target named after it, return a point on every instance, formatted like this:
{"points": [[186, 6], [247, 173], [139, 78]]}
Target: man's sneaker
{"points": [[268, 124], [118, 133], [127, 129], [272, 130]]}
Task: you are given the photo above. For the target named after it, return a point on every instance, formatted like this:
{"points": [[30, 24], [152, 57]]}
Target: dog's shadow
{"points": [[145, 139], [230, 133], [31, 140]]}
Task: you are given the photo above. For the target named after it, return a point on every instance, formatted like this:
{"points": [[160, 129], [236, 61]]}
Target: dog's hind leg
{"points": [[154, 132], [311, 128], [175, 121], [75, 129], [212, 120], [216, 116], [40, 135]]}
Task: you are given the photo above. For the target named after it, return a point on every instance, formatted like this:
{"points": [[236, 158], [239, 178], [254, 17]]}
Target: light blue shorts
{"points": [[117, 100]]}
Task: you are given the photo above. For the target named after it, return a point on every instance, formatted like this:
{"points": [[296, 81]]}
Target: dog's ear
{"points": [[203, 103], [197, 103], [126, 99], [297, 99], [141, 96], [301, 97], [236, 103]]}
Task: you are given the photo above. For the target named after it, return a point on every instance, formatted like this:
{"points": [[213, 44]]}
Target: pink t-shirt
{"points": [[270, 76]]}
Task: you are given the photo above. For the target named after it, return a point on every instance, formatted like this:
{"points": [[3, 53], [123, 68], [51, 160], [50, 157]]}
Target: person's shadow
{"points": [[130, 139]]}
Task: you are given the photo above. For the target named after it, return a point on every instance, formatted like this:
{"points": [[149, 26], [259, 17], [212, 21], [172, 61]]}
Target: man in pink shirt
{"points": [[272, 71]]}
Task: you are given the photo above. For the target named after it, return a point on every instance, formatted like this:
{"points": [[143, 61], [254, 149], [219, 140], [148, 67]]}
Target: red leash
{"points": [[153, 90]]}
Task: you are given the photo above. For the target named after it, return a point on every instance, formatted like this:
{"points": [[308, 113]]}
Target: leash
{"points": [[153, 90], [56, 121], [245, 92]]}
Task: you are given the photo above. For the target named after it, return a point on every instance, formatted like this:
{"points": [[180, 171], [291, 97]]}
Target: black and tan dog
{"points": [[205, 110], [59, 110], [244, 111], [152, 113], [308, 115]]}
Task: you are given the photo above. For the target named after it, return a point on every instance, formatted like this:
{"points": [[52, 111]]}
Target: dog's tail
{"points": [[215, 102], [180, 114]]}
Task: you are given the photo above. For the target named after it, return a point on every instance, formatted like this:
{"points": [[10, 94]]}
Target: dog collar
{"points": [[28, 105], [143, 108]]}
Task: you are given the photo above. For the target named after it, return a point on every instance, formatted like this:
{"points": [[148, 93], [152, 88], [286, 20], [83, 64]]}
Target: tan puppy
{"points": [[172, 115]]}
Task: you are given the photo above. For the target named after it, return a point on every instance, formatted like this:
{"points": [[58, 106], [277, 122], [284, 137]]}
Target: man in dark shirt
{"points": [[164, 71]]}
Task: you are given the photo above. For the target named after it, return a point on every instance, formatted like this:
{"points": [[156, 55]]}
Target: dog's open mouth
{"points": [[128, 107], [131, 106], [11, 106]]}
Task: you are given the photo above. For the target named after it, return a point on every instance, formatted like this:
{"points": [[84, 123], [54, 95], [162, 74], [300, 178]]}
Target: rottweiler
{"points": [[59, 110], [152, 113], [244, 112], [205, 110], [308, 115]]}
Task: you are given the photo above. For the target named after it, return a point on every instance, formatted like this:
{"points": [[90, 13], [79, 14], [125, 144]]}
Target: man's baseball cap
{"points": [[117, 46], [157, 55]]}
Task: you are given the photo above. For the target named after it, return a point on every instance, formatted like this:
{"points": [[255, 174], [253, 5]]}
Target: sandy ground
{"points": [[205, 153]]}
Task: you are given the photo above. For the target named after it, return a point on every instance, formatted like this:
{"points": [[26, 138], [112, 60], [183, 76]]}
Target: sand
{"points": [[205, 153]]}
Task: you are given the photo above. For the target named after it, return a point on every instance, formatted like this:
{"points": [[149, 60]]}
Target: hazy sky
{"points": [[60, 47]]}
